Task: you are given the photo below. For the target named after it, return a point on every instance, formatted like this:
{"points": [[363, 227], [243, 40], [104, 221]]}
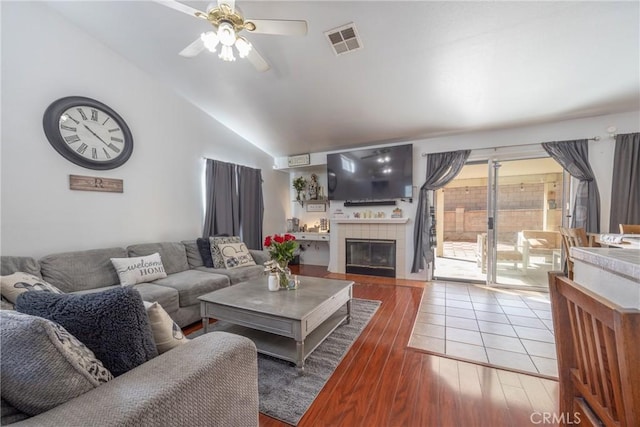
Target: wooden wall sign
{"points": [[93, 183]]}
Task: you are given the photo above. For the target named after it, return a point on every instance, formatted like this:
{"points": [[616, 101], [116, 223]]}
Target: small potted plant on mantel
{"points": [[299, 184]]}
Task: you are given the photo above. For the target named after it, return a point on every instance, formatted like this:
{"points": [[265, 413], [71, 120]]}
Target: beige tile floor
{"points": [[504, 328]]}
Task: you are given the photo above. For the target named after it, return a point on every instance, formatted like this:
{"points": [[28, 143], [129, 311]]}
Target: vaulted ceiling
{"points": [[426, 68]]}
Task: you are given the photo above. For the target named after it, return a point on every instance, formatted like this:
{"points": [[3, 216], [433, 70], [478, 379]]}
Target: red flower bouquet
{"points": [[281, 247]]}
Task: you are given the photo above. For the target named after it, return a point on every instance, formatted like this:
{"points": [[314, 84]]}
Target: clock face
{"points": [[88, 133]]}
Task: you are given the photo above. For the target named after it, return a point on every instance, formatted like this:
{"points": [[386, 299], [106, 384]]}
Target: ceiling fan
{"points": [[228, 21]]}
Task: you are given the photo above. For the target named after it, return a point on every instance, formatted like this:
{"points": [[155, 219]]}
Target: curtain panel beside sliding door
{"points": [[442, 168], [625, 188], [573, 156]]}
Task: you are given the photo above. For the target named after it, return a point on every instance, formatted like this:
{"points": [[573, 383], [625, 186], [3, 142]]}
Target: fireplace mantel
{"points": [[370, 220], [370, 228]]}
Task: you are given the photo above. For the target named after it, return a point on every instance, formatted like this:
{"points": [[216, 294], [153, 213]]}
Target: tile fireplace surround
{"points": [[382, 228]]}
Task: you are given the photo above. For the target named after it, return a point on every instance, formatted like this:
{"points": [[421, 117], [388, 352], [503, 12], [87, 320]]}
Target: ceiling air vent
{"points": [[344, 39]]}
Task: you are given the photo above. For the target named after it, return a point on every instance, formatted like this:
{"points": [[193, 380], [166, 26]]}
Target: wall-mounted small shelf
{"points": [[312, 202]]}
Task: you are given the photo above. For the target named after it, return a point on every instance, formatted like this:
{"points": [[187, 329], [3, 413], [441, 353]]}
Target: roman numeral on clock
{"points": [[106, 153], [114, 148], [117, 139], [94, 153], [94, 115], [71, 139], [83, 147], [114, 130], [69, 128], [82, 114], [69, 117]]}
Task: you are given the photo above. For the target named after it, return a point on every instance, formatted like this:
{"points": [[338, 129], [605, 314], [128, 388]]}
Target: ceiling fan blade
{"points": [[257, 60], [172, 4], [193, 49], [276, 26]]}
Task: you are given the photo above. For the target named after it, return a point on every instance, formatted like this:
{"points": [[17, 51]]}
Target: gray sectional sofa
{"points": [[211, 380], [92, 271]]}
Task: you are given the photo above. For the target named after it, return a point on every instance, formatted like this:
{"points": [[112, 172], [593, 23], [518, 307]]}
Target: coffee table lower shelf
{"points": [[285, 348]]}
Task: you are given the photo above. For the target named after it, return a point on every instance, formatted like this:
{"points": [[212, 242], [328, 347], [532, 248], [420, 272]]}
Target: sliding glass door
{"points": [[498, 222]]}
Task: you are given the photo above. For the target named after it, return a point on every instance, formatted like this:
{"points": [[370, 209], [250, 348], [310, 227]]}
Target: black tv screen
{"points": [[372, 174]]}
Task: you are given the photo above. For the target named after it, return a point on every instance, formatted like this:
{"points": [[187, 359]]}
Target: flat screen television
{"points": [[373, 174]]}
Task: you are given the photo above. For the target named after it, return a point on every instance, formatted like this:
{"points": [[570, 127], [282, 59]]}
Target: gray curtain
{"points": [[251, 206], [573, 156], [221, 203], [441, 169], [625, 190]]}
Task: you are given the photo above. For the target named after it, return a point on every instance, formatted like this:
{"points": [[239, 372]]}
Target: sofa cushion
{"points": [[166, 297], [194, 257], [166, 333], [235, 255], [11, 264], [76, 271], [14, 284], [140, 269], [10, 414], [237, 275], [259, 256], [112, 323], [218, 261], [191, 284], [173, 254], [43, 365]]}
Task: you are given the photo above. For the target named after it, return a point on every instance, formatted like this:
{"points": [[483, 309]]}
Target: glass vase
{"points": [[284, 274]]}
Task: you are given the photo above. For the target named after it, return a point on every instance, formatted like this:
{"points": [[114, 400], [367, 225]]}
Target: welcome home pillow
{"points": [[235, 255], [166, 333], [14, 284], [140, 269], [43, 365]]}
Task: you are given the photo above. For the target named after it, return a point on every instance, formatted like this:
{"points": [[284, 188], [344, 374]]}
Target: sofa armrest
{"points": [[260, 257], [211, 380]]}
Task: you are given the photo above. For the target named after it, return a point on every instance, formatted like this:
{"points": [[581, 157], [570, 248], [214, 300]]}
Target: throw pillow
{"points": [[112, 323], [140, 269], [43, 365], [235, 255], [14, 284], [204, 247], [218, 261], [166, 333]]}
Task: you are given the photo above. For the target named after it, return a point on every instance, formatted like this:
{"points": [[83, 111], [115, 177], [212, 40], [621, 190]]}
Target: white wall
{"points": [[45, 58]]}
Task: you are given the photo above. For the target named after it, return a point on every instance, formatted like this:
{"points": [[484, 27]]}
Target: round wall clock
{"points": [[88, 133]]}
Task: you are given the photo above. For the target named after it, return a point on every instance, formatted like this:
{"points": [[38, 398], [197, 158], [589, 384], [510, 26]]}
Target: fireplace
{"points": [[374, 257]]}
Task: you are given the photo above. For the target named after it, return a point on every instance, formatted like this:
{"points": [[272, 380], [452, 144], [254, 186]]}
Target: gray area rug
{"points": [[284, 394]]}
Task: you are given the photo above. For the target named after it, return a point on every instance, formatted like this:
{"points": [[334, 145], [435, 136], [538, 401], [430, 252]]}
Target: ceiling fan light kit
{"points": [[228, 21]]}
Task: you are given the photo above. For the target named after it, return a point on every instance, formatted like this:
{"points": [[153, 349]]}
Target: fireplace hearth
{"points": [[373, 257]]}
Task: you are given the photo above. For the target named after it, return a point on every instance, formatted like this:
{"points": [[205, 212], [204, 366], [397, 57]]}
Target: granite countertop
{"points": [[624, 262]]}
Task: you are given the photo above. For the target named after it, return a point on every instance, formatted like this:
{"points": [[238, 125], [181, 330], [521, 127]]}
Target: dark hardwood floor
{"points": [[382, 382]]}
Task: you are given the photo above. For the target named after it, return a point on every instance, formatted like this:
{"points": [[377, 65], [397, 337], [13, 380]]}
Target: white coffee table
{"points": [[285, 324]]}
